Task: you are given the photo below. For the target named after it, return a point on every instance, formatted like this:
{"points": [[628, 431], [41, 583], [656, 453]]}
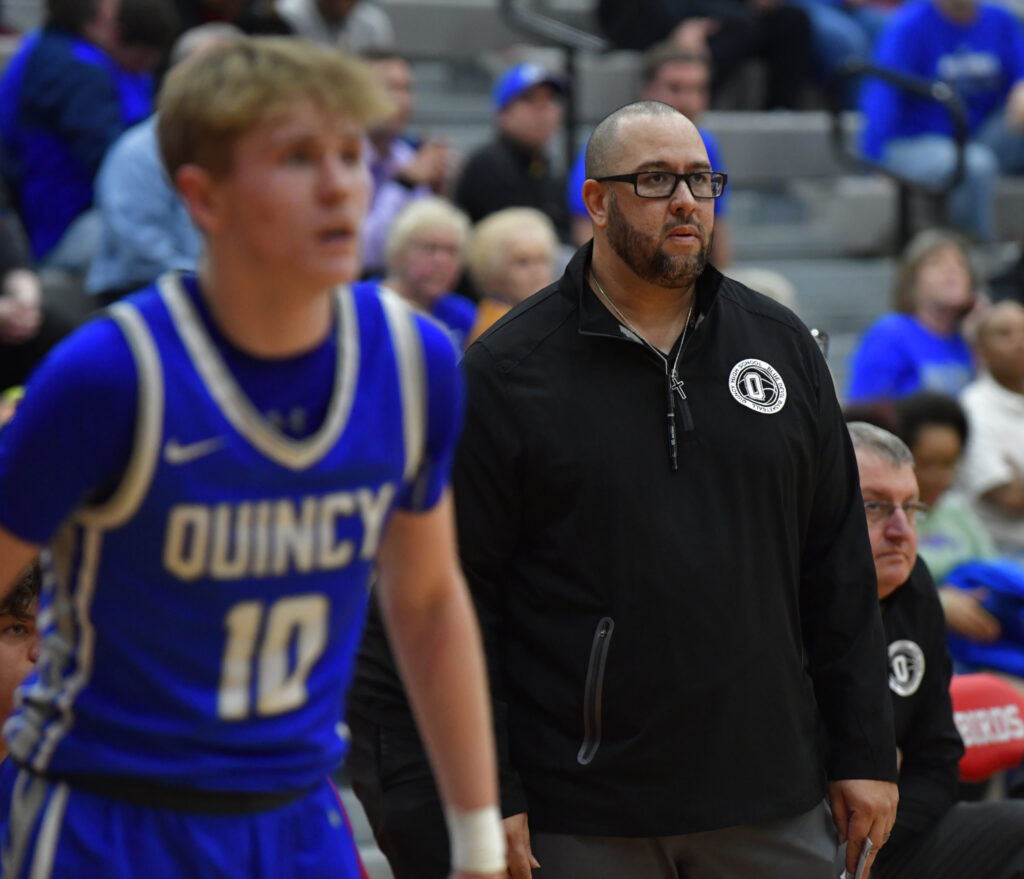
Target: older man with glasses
{"points": [[934, 837], [659, 518]]}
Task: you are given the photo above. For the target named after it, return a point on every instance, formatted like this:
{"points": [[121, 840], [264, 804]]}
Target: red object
{"points": [[989, 713]]}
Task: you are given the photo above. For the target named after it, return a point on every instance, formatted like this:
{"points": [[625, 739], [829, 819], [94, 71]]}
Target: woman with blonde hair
{"points": [[424, 256], [920, 345], [510, 256]]}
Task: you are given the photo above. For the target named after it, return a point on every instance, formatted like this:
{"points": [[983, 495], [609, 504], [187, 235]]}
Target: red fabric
{"points": [[989, 714]]}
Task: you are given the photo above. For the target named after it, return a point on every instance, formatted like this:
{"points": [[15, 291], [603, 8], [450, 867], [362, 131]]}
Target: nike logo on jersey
{"points": [[175, 453]]}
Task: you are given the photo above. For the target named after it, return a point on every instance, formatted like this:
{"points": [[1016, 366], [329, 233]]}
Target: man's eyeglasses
{"points": [[881, 511], [661, 184]]}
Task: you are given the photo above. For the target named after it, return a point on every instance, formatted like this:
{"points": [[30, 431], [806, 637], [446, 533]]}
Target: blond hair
{"points": [[422, 215], [485, 253], [922, 246], [210, 100]]}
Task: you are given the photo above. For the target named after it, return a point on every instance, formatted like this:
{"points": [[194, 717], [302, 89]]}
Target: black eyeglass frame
{"points": [[635, 177]]}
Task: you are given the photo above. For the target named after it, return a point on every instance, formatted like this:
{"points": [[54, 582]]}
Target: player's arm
{"points": [[436, 641]]}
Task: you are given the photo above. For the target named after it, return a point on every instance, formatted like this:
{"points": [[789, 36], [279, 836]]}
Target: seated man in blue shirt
{"points": [[977, 49]]}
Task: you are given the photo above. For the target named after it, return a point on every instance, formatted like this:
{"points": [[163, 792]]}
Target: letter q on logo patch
{"points": [[758, 386], [906, 667]]}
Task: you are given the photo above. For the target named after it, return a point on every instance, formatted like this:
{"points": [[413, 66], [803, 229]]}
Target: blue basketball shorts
{"points": [[57, 831]]}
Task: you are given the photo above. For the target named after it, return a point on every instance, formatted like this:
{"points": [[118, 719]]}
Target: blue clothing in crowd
{"points": [[63, 102], [458, 313], [578, 174], [980, 61], [145, 227], [898, 356]]}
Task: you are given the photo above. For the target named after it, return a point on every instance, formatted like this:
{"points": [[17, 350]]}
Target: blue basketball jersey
{"points": [[199, 624]]}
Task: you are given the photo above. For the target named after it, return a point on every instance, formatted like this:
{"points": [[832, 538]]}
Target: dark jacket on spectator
{"points": [[670, 646], [505, 174]]}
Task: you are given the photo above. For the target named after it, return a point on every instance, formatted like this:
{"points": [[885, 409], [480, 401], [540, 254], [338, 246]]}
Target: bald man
{"points": [[659, 516]]}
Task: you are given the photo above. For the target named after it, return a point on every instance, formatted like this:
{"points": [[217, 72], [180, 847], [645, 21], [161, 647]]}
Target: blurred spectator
{"points": [[978, 50], [424, 257], [513, 170], [680, 78], [934, 836], [920, 346], [65, 96], [511, 255], [144, 228], [27, 329], [403, 169], [934, 426], [353, 25], [993, 471], [732, 31], [250, 16], [1009, 284]]}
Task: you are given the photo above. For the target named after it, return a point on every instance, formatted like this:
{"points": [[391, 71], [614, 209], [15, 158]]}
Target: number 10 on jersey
{"points": [[279, 644]]}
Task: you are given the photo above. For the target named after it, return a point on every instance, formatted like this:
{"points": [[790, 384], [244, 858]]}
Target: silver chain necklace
{"points": [[677, 384], [673, 384]]}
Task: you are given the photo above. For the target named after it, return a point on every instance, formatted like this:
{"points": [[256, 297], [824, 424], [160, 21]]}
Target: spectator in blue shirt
{"points": [[65, 96], [978, 50], [144, 228], [919, 346]]}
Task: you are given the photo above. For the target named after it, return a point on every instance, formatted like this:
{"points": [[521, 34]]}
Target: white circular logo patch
{"points": [[906, 667], [758, 386]]}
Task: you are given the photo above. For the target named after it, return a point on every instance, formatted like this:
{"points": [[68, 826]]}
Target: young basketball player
{"points": [[215, 466]]}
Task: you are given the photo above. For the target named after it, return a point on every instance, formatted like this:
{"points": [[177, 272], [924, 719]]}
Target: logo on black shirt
{"points": [[758, 386], [906, 667]]}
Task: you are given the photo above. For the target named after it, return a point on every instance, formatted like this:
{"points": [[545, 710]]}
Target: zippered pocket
{"points": [[593, 691]]}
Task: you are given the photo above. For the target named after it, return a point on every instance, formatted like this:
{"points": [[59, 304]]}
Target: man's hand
{"points": [[1015, 108], [430, 166], [20, 313], [863, 808], [517, 838], [966, 616]]}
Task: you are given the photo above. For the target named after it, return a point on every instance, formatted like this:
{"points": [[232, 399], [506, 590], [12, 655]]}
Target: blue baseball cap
{"points": [[516, 80]]}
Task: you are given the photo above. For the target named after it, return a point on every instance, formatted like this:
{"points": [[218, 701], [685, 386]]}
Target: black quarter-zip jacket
{"points": [[671, 650]]}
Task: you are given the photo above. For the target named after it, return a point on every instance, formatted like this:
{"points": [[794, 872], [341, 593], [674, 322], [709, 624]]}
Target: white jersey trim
{"points": [[149, 419], [49, 834], [408, 348], [92, 543], [235, 405]]}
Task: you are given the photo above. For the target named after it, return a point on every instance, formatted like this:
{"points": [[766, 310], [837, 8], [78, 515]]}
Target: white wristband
{"points": [[477, 840]]}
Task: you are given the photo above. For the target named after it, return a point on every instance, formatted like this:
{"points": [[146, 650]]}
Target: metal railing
{"points": [[571, 40], [933, 90]]}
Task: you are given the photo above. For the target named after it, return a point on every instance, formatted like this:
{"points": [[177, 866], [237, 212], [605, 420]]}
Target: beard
{"points": [[643, 253]]}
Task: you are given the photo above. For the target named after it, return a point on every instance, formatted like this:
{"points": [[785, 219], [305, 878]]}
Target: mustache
{"points": [[689, 221]]}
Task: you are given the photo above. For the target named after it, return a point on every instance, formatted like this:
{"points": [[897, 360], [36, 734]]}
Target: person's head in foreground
{"points": [[892, 502], [264, 141], [425, 250], [19, 643], [935, 281], [1000, 344], [652, 225], [511, 254]]}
